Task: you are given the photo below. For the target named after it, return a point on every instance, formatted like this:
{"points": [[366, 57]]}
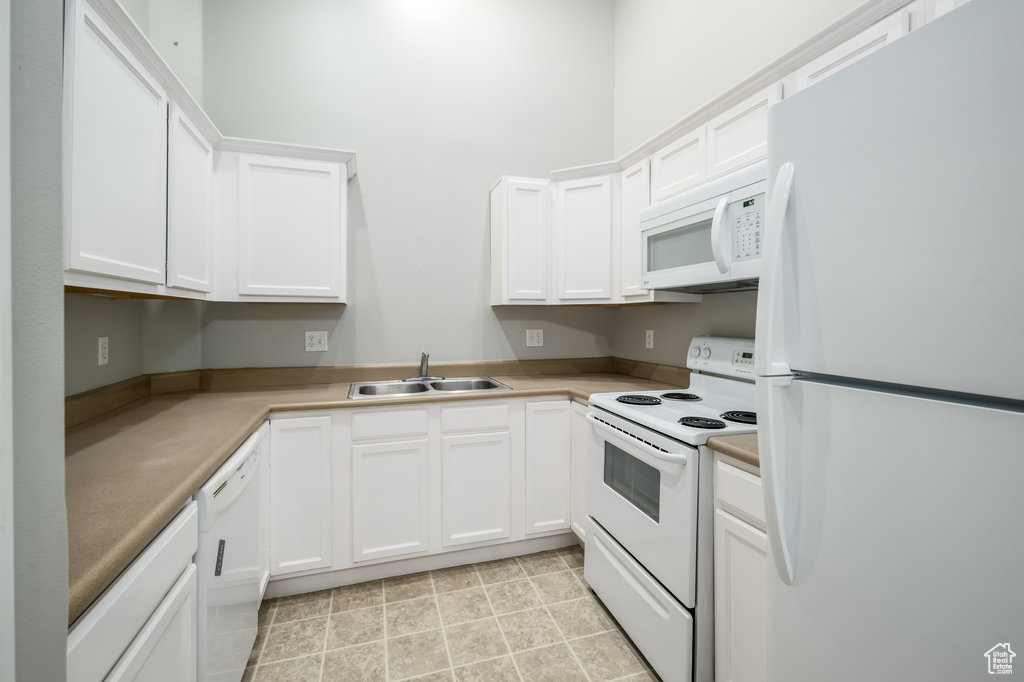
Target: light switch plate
{"points": [[534, 337], [649, 339], [103, 350], [316, 342]]}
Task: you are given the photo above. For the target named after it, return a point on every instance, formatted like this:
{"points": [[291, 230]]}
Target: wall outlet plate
{"points": [[316, 342], [534, 337], [103, 350], [649, 339]]}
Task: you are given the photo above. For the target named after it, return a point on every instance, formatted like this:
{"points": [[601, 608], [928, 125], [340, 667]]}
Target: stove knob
{"points": [[707, 353], [695, 352]]}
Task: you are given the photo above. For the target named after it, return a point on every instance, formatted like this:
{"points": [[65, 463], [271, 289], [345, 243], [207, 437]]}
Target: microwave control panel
{"points": [[747, 227]]}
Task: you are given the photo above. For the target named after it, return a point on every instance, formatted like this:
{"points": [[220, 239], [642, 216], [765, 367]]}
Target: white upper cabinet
{"points": [[520, 241], [291, 237], [739, 136], [189, 205], [115, 128], [679, 166], [635, 184], [869, 40], [583, 238]]}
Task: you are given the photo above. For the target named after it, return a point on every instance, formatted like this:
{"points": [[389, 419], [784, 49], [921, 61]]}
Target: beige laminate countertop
{"points": [[743, 448], [128, 472]]}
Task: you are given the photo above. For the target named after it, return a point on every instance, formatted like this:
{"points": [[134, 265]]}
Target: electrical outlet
{"points": [[103, 348], [649, 339], [534, 337], [316, 342]]}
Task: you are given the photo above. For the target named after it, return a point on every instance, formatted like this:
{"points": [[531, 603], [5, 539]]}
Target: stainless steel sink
{"points": [[370, 389], [474, 384]]}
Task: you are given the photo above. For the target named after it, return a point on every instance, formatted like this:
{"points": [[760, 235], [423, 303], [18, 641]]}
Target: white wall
{"points": [[438, 99], [673, 56]]}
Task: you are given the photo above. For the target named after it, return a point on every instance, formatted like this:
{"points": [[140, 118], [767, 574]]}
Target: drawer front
{"points": [[658, 624], [389, 424], [740, 493], [473, 418], [109, 626]]}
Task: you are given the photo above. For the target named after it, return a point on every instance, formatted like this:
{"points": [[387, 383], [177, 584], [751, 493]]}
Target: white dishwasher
{"points": [[231, 562]]}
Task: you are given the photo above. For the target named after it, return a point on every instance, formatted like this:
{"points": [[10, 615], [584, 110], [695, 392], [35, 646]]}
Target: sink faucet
{"points": [[424, 370]]}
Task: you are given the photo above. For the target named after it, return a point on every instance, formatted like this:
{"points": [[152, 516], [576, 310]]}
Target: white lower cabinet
{"points": [[582, 440], [300, 494], [390, 499], [741, 554], [143, 627], [547, 466], [475, 487]]}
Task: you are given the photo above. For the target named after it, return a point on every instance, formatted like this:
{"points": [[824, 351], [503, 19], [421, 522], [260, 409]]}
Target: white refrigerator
{"points": [[890, 361]]}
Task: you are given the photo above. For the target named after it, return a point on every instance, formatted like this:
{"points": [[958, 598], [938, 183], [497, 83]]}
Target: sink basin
{"points": [[474, 384], [370, 389], [374, 388]]}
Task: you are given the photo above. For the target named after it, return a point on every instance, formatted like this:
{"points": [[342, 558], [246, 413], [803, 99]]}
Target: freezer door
{"points": [[902, 520], [899, 256]]}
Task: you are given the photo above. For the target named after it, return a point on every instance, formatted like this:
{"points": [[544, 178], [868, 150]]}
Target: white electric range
{"points": [[650, 504]]}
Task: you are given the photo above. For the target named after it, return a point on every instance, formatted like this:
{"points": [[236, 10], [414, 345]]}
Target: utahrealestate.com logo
{"points": [[1000, 659]]}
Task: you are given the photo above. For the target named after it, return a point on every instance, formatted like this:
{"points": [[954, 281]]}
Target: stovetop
{"points": [[708, 398]]}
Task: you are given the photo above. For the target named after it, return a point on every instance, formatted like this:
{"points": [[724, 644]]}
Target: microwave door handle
{"points": [[716, 235], [672, 458]]}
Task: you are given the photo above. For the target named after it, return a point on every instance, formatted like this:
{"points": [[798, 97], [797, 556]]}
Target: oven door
{"points": [[642, 489], [687, 247]]}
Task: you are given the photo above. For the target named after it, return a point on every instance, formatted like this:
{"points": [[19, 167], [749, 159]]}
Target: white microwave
{"points": [[709, 238]]}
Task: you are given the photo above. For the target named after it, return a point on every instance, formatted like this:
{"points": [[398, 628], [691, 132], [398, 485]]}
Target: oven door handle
{"points": [[671, 457]]}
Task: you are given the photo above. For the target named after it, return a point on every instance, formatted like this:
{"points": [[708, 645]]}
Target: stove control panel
{"points": [[722, 355]]}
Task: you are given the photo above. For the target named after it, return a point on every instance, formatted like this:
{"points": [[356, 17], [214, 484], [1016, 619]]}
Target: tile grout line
{"points": [[440, 619], [572, 652], [384, 615], [327, 632], [511, 654]]}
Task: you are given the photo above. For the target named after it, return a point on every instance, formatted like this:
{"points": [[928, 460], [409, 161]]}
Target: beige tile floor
{"points": [[526, 618]]}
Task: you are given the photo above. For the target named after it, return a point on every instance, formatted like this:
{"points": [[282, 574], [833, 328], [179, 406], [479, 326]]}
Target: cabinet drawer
{"points": [[475, 418], [109, 626], [740, 493], [389, 424]]}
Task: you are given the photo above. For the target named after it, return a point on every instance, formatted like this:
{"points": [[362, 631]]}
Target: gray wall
{"points": [[40, 524], [175, 27], [675, 324], [438, 99], [674, 56]]}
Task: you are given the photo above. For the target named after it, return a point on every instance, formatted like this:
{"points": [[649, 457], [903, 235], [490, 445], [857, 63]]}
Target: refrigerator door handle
{"points": [[769, 338], [717, 249], [771, 441]]}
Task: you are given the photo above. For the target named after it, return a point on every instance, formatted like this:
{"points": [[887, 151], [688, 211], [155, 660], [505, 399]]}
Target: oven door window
{"points": [[639, 483]]}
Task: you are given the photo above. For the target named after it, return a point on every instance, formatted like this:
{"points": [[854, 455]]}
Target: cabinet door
{"points": [[547, 466], [741, 645], [739, 136], [189, 205], [520, 241], [390, 499], [583, 442], [583, 230], [476, 480], [636, 195], [291, 227], [115, 161], [864, 43], [679, 166], [300, 494], [165, 649]]}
